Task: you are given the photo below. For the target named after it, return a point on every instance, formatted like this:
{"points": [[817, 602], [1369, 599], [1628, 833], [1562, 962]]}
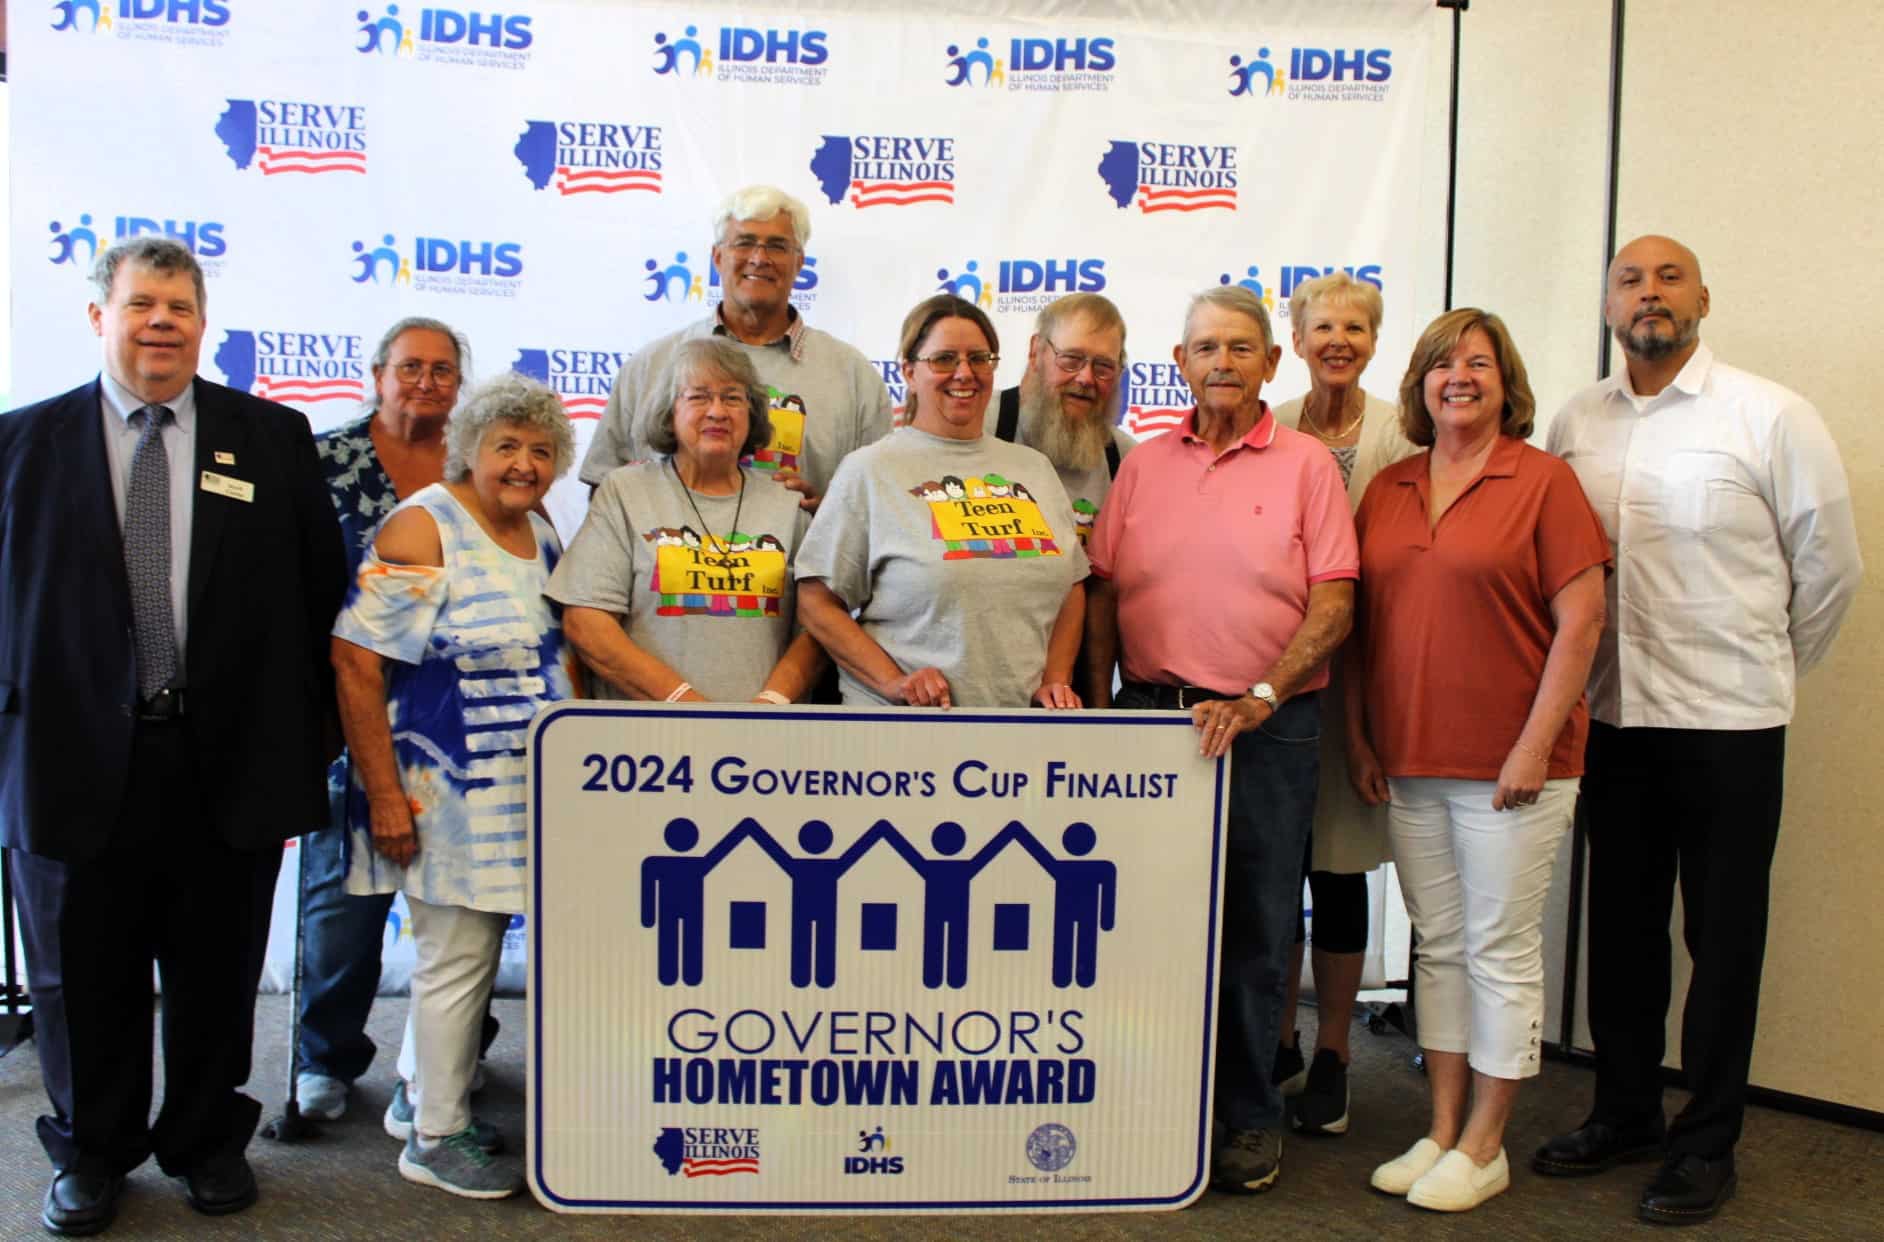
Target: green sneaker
{"points": [[459, 1166], [398, 1123]]}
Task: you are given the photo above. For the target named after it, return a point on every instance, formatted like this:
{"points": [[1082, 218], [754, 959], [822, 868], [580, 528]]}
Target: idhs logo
{"points": [[440, 264], [746, 54], [1036, 64], [447, 35], [876, 1157], [1276, 302], [1314, 73], [203, 237], [1023, 284]]}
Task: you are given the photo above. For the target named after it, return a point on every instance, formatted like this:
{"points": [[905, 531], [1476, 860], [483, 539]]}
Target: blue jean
{"points": [[340, 957], [1273, 775]]}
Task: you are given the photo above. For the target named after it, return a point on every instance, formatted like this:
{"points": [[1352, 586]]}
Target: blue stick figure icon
{"points": [[946, 881], [67, 241], [814, 897], [1085, 896]]}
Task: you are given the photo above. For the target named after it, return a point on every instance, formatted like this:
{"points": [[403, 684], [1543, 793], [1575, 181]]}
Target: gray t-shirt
{"points": [[1086, 489], [955, 554], [720, 620], [828, 403]]}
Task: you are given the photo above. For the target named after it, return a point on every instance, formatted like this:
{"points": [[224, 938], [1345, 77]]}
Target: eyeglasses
{"points": [[701, 398], [774, 247], [412, 370], [1072, 362], [945, 362]]}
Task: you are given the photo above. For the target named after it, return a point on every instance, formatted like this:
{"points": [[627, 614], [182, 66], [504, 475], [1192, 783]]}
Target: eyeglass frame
{"points": [[1116, 366], [777, 249], [444, 374], [991, 360]]}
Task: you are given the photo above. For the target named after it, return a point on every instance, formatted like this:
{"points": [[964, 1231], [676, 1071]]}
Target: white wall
{"points": [[1750, 131]]}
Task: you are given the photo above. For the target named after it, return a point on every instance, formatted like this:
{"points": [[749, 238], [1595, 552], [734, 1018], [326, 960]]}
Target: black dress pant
{"points": [[1702, 805], [164, 889]]}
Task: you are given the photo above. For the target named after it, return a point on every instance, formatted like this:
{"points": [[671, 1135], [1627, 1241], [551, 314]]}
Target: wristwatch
{"points": [[1267, 693]]}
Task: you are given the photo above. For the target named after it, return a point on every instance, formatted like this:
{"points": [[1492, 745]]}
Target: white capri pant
{"points": [[458, 953], [1475, 881]]}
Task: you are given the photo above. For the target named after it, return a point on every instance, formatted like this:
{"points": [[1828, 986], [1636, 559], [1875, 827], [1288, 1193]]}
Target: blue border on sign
{"points": [[955, 716]]}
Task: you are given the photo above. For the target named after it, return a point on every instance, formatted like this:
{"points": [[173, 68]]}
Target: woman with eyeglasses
{"points": [[944, 567], [678, 587], [394, 448]]}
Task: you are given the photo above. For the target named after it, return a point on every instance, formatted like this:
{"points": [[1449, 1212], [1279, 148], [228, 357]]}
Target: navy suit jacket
{"points": [[266, 579]]}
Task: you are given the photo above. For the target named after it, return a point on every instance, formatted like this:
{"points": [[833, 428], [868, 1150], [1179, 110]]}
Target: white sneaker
{"points": [[1457, 1184], [1397, 1176], [319, 1096]]}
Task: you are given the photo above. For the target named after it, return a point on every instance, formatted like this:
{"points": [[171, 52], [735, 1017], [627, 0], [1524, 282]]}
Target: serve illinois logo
{"points": [[293, 365], [581, 377], [707, 1151], [885, 170], [591, 157], [1170, 176], [277, 136]]}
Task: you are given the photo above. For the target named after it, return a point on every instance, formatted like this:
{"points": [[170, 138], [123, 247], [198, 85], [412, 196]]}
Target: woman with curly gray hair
{"points": [[444, 652], [679, 584]]}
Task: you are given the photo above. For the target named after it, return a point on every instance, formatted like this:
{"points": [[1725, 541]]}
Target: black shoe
{"points": [[1322, 1108], [78, 1203], [1291, 1072], [1688, 1190], [221, 1186], [1595, 1147]]}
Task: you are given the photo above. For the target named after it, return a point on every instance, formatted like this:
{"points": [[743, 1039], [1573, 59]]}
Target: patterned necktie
{"points": [[147, 554]]}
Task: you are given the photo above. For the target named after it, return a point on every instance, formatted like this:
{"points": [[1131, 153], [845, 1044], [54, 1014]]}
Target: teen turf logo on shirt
{"points": [[744, 577], [985, 516]]}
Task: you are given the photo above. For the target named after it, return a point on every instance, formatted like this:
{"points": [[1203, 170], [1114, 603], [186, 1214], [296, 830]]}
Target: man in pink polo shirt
{"points": [[1223, 577]]}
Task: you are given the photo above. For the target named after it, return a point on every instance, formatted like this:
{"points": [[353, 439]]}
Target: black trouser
{"points": [[1703, 805], [165, 890]]}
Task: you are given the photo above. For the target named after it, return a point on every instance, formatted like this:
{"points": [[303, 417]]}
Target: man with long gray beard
{"points": [[1067, 404]]}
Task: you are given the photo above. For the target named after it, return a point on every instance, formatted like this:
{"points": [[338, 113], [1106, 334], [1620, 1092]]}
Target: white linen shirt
{"points": [[1736, 555]]}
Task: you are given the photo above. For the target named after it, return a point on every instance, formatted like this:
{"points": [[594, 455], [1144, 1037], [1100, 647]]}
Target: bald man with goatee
{"points": [[1736, 559]]}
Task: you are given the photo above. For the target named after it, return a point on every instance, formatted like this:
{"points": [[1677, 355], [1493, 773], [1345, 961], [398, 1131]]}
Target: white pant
{"points": [[1475, 881], [458, 953]]}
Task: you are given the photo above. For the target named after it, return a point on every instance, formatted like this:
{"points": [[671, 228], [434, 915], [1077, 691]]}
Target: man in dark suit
{"points": [[172, 568]]}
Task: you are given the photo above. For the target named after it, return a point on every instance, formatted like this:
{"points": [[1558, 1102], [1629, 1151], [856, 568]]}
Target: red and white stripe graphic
{"points": [[718, 1168], [1145, 423], [1153, 198], [297, 160], [584, 407], [606, 180], [900, 193], [290, 388]]}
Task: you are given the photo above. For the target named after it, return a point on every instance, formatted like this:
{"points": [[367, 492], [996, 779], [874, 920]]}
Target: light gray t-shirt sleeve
{"points": [[837, 543], [598, 570]]}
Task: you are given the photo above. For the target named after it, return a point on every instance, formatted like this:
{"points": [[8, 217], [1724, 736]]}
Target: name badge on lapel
{"points": [[224, 458], [223, 485]]}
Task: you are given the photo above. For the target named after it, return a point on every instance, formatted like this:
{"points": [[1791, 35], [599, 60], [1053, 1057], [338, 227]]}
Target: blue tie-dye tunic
{"points": [[473, 649]]}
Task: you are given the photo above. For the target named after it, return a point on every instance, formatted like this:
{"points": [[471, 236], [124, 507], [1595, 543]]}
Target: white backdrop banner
{"points": [[544, 176], [839, 960]]}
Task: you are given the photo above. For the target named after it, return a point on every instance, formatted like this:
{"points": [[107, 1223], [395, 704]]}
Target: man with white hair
{"points": [[827, 399], [1067, 403]]}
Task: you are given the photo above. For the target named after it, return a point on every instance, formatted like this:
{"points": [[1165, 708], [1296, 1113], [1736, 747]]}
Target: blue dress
{"points": [[474, 650]]}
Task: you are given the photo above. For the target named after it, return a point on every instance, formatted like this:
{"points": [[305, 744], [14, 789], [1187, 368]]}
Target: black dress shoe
{"points": [[221, 1186], [78, 1203], [1688, 1190], [1596, 1146]]}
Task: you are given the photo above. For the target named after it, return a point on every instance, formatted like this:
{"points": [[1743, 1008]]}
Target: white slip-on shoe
{"points": [[1397, 1176], [1458, 1184]]}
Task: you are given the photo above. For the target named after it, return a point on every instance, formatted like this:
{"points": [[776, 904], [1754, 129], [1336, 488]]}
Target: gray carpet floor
{"points": [[1798, 1178]]}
